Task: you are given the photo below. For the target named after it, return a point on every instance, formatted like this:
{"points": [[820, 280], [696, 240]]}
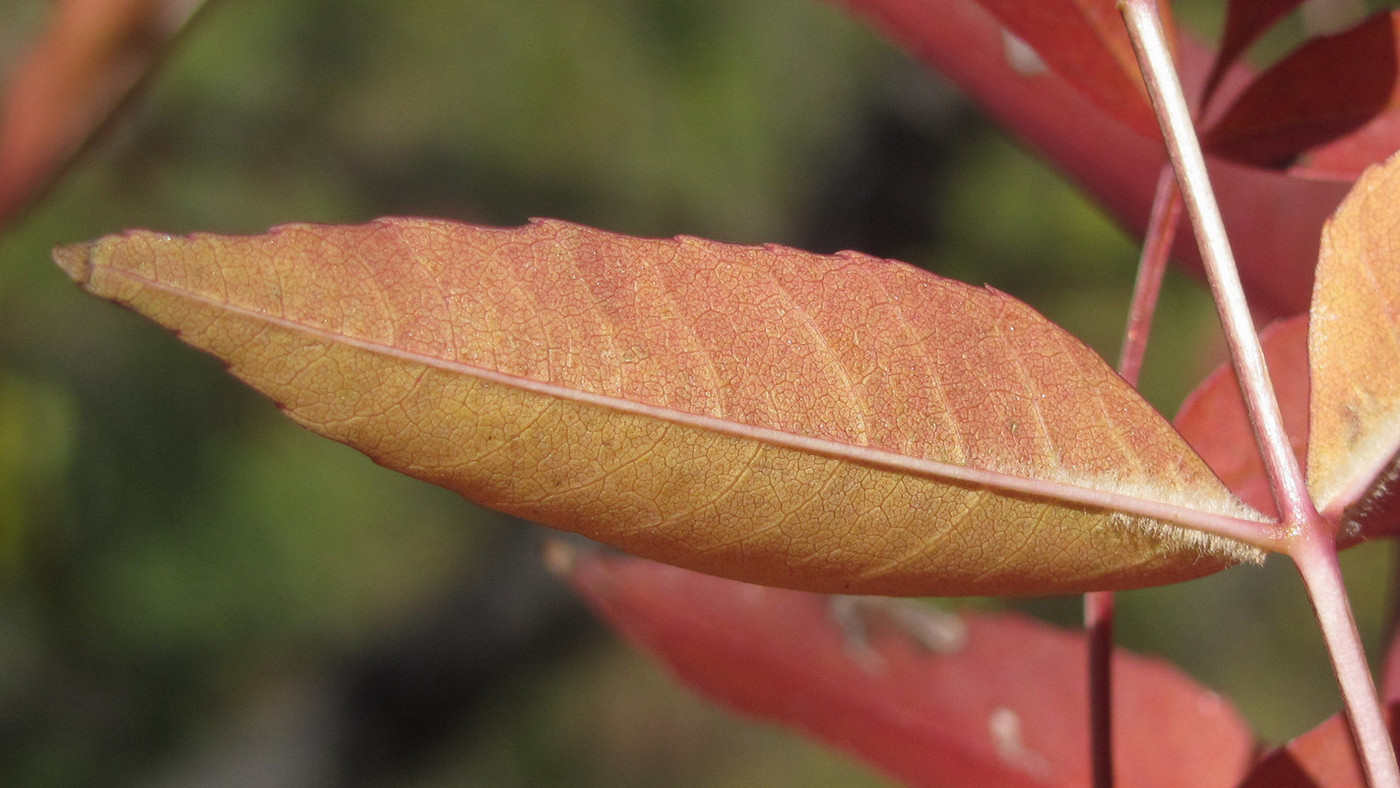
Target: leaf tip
{"points": [[76, 261]]}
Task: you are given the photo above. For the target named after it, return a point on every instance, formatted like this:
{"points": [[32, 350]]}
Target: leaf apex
{"points": [[76, 261]]}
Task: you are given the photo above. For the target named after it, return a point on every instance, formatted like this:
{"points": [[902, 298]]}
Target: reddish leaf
{"points": [[1245, 22], [979, 699], [93, 53], [1085, 42], [828, 423], [1324, 757], [1389, 679], [1213, 418], [1273, 219], [1330, 109], [1354, 348]]}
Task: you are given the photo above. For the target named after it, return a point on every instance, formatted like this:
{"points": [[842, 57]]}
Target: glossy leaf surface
{"points": [[1213, 418], [828, 423], [1354, 350], [929, 697]]}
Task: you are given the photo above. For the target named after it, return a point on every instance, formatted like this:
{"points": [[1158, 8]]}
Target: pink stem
{"points": [[1184, 150], [1156, 251], [1098, 606], [1098, 624], [1322, 575]]}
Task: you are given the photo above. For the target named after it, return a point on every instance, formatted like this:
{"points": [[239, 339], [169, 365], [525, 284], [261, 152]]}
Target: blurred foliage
{"points": [[195, 592]]}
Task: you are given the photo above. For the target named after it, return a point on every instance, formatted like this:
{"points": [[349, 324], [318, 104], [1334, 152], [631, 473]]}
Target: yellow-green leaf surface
{"points": [[1354, 346], [830, 423]]}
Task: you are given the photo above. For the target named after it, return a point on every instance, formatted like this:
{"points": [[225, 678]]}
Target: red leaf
{"points": [[1330, 109], [1086, 43], [1324, 757], [1245, 22], [1214, 422], [92, 54], [998, 699], [1274, 220]]}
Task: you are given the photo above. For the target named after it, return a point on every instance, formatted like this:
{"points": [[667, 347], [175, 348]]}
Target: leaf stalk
{"points": [[1099, 605], [1183, 148], [1311, 543]]}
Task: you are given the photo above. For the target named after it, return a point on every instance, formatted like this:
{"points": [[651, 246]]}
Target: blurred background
{"points": [[195, 592]]}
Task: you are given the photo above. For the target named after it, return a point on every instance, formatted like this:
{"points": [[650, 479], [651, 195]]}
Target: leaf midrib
{"points": [[1256, 533]]}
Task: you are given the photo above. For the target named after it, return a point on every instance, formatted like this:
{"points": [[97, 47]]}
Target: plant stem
{"points": [[1311, 544], [1281, 465], [1098, 626], [1099, 605], [1322, 575], [1156, 251]]}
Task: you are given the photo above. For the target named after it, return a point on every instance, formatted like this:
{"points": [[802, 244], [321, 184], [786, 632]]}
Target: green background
{"points": [[193, 591]]}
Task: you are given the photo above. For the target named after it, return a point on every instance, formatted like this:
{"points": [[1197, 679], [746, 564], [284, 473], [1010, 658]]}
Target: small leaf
{"points": [[1324, 757], [1085, 42], [1245, 22], [1354, 350], [930, 698], [1330, 109], [93, 53], [1273, 219], [826, 423], [1214, 421]]}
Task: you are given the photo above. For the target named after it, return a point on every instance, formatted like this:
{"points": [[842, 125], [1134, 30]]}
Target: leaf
{"points": [[976, 699], [1330, 109], [93, 53], [1324, 757], [1086, 43], [1354, 352], [826, 423], [1273, 219], [1245, 22], [1214, 421]]}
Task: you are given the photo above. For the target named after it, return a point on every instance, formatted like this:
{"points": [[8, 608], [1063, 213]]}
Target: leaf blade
{"points": [[760, 413], [1214, 421], [1086, 43], [980, 699], [76, 75], [1245, 22], [1328, 110], [1354, 350]]}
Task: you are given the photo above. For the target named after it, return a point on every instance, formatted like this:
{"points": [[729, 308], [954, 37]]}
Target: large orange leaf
{"points": [[1354, 350], [930, 698], [833, 423]]}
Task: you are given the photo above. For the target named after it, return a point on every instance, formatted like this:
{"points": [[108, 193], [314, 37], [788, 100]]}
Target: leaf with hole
{"points": [[930, 697]]}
